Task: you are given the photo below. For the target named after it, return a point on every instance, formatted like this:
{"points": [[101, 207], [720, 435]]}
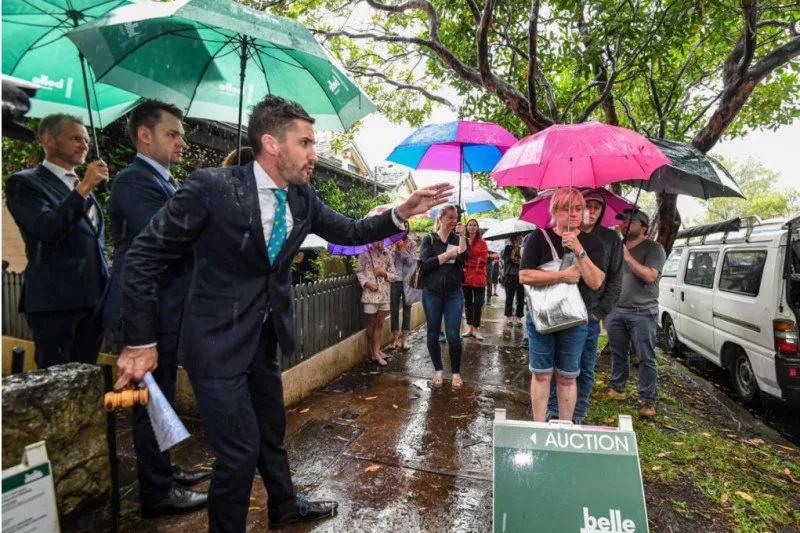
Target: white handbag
{"points": [[558, 306]]}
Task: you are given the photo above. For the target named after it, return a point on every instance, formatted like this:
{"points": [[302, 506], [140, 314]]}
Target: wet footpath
{"points": [[399, 455]]}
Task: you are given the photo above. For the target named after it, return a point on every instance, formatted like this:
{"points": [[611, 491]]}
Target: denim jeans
{"points": [[585, 379], [561, 350], [450, 307], [624, 327]]}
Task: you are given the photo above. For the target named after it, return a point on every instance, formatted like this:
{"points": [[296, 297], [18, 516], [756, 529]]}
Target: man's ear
{"points": [[269, 144], [144, 135]]}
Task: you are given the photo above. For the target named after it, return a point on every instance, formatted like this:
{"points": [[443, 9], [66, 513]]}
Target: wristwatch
{"points": [[581, 255]]}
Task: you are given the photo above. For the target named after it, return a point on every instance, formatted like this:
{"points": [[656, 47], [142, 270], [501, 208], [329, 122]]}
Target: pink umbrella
{"points": [[537, 211], [581, 155]]}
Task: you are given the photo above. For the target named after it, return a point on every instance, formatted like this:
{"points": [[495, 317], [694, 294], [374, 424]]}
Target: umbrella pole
{"points": [[75, 20], [635, 207], [242, 69], [460, 170]]}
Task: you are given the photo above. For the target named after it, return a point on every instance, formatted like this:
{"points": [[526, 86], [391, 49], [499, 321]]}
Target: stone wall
{"points": [[63, 406]]}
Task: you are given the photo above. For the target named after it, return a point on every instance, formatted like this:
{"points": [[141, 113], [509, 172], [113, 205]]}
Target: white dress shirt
{"points": [[68, 178], [267, 203], [161, 169]]}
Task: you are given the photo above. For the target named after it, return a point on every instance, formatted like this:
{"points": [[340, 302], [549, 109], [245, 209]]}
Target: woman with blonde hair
{"points": [[443, 253], [561, 350]]}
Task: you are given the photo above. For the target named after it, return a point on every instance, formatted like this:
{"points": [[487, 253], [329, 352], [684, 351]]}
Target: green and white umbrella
{"points": [[216, 58], [35, 49]]}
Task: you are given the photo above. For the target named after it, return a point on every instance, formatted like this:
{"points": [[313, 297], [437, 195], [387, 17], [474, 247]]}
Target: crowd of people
{"points": [[616, 273], [201, 276]]}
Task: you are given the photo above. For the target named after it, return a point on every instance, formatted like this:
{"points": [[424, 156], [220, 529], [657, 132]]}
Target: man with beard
{"points": [[604, 303], [137, 193], [245, 224], [635, 317], [62, 226]]}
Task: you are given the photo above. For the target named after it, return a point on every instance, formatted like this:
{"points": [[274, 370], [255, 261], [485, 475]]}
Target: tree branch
{"points": [[473, 7], [651, 86], [368, 73], [533, 33]]}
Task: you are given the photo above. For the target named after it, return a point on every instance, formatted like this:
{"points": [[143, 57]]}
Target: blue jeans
{"points": [[561, 350], [451, 308], [624, 327], [585, 379]]}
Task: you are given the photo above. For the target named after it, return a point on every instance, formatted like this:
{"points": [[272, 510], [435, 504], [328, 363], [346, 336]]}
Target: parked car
{"points": [[731, 293]]}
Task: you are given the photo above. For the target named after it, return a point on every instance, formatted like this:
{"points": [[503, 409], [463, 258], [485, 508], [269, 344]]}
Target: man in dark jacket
{"points": [[137, 193], [605, 302], [245, 224], [62, 226]]}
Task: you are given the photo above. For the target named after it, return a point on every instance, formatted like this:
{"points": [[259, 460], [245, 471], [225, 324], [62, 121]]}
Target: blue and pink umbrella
{"points": [[459, 146]]}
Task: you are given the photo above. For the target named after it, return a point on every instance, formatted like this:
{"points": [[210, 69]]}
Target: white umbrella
{"points": [[508, 228], [314, 242]]}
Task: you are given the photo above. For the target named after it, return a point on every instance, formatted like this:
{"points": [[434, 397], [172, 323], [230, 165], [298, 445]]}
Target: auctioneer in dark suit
{"points": [[137, 193], [238, 309], [67, 267]]}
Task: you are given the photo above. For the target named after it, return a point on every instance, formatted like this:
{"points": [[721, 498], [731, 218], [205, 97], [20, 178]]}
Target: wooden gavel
{"points": [[125, 398]]}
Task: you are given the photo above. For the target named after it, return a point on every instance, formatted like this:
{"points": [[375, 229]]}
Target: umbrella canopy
{"points": [[537, 211], [358, 249], [459, 146], [216, 58], [690, 172], [16, 103], [582, 155], [508, 228], [35, 49], [481, 201]]}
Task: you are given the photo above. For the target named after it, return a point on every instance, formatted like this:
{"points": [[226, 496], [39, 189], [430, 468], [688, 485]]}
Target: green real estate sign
{"points": [[558, 477]]}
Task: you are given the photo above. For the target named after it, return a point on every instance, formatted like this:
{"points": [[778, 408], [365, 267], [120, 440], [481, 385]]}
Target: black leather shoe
{"points": [[179, 500], [188, 478], [303, 510]]}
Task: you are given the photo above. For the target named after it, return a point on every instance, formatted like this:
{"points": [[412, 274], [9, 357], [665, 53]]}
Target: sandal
{"points": [[380, 361], [457, 382], [437, 379]]}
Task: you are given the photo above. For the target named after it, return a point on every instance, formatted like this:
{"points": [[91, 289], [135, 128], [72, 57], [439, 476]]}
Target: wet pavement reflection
{"points": [[396, 453]]}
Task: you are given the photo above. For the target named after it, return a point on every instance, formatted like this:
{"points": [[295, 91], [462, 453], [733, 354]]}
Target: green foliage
{"points": [[763, 196], [421, 225]]}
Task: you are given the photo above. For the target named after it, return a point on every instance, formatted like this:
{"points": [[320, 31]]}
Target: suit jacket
{"points": [[137, 193], [233, 287], [67, 267]]}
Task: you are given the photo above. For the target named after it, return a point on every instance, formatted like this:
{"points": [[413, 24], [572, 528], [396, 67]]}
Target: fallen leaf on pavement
{"points": [[394, 405], [372, 468], [368, 398], [307, 409], [744, 496]]}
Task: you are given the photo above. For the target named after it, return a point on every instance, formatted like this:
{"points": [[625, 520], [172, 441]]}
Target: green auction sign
{"points": [[564, 478]]}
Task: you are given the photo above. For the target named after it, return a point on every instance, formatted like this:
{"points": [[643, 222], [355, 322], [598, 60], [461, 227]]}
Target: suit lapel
{"points": [[59, 191], [160, 182], [247, 193]]}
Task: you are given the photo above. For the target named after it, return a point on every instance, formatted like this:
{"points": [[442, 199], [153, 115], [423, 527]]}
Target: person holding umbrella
{"points": [[443, 254], [561, 351], [605, 302]]}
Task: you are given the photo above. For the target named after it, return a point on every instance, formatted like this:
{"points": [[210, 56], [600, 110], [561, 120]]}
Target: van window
{"points": [[670, 269], [741, 271], [700, 269]]}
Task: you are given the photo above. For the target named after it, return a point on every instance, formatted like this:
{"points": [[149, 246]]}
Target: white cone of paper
{"points": [[168, 428]]}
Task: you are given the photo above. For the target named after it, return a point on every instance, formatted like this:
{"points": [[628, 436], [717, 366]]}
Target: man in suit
{"points": [[62, 226], [137, 193], [245, 224]]}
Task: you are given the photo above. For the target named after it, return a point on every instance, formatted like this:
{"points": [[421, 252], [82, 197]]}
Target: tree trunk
{"points": [[668, 220]]}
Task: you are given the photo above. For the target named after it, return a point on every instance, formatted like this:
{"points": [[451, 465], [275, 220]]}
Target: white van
{"points": [[731, 293]]}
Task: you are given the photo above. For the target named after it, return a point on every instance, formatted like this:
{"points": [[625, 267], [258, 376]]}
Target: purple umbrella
{"points": [[358, 249]]}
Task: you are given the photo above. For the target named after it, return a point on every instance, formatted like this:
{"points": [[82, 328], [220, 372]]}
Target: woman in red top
{"points": [[474, 278]]}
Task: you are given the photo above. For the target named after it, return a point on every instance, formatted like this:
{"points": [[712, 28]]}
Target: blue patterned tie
{"points": [[278, 236]]}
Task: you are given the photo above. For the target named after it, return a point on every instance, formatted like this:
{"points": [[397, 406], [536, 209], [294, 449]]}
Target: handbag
{"points": [[555, 307], [418, 277]]}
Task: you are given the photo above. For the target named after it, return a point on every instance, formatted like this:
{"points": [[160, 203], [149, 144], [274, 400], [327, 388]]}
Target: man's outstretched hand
{"points": [[422, 200], [134, 363]]}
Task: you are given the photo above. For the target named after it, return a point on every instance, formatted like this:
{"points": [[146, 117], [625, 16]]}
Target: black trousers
{"points": [[473, 305], [153, 466], [245, 421], [488, 292], [66, 336], [397, 300], [514, 290]]}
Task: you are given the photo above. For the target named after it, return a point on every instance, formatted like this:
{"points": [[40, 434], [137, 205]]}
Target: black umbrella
{"points": [[17, 95]]}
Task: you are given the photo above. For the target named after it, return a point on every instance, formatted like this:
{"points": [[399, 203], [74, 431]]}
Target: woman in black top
{"points": [[560, 351], [443, 254], [512, 255]]}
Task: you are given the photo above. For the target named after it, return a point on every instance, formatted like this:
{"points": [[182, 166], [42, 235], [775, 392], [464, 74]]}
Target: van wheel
{"points": [[671, 336], [743, 377]]}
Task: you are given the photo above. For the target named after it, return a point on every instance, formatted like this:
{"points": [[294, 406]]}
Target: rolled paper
{"points": [[167, 426]]}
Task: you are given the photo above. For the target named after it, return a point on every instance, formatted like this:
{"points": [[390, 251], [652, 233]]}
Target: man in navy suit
{"points": [[245, 225], [62, 226], [137, 193]]}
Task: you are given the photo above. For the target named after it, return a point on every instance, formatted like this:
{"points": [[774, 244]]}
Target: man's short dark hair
{"points": [[147, 114], [273, 115], [52, 124]]}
